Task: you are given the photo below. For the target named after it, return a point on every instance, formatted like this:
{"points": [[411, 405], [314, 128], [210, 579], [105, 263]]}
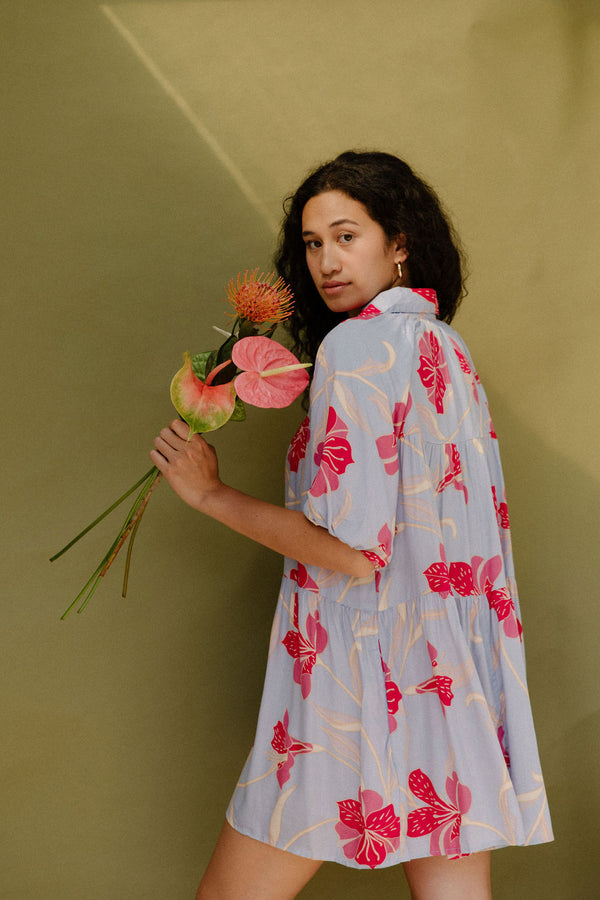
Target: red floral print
{"points": [[440, 685], [433, 654], [492, 431], [443, 578], [303, 579], [287, 747], [367, 829], [453, 473], [380, 555], [462, 360], [333, 456], [485, 573], [297, 450], [304, 648], [393, 695], [501, 510], [369, 312], [438, 577], [439, 818], [387, 444], [472, 376], [433, 370], [504, 750], [474, 579]]}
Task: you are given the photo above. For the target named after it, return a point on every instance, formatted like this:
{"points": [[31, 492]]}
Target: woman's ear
{"points": [[401, 253]]}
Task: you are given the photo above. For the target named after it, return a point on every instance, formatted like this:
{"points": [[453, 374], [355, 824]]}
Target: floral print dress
{"points": [[395, 721]]}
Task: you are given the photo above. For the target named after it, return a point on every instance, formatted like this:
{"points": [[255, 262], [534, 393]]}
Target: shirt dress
{"points": [[395, 721]]}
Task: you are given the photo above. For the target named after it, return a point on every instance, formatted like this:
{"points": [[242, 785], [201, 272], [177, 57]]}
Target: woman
{"points": [[395, 724]]}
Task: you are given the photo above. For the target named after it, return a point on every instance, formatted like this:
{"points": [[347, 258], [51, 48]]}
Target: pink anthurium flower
{"points": [[204, 406], [272, 376]]}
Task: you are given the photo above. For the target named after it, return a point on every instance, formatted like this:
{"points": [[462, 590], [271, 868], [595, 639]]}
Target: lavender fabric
{"points": [[395, 721]]}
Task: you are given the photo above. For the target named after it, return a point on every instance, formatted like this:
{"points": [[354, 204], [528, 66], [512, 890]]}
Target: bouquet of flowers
{"points": [[211, 389]]}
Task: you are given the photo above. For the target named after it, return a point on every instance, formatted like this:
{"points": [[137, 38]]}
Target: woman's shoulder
{"points": [[359, 336]]}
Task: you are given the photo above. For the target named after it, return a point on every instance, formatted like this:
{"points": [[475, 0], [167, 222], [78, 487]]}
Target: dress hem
{"points": [[385, 864]]}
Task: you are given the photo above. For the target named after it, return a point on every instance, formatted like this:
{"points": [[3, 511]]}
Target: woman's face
{"points": [[349, 257]]}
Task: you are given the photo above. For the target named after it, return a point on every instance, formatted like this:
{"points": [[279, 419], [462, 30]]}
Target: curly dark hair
{"points": [[401, 203]]}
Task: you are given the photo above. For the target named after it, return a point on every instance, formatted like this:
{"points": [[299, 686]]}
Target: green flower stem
{"points": [[136, 524], [104, 514], [134, 531], [151, 479], [134, 513]]}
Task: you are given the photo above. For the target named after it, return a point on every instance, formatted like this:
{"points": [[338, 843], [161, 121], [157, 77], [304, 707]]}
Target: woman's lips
{"points": [[332, 288]]}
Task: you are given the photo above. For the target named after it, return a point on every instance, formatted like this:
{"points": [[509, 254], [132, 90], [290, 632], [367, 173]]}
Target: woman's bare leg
{"points": [[244, 869], [439, 878]]}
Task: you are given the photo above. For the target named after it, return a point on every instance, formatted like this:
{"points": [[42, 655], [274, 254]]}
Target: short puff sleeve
{"points": [[351, 475]]}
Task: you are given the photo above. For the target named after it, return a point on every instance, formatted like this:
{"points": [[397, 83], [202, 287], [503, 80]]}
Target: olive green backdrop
{"points": [[147, 147]]}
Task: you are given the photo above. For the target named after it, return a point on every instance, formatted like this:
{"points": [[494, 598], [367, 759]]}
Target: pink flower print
{"points": [[501, 510], [433, 654], [287, 748], [333, 456], [504, 750], [466, 369], [492, 432], [439, 818], [297, 450], [502, 603], [433, 370], [393, 695], [438, 576], [485, 573], [440, 685], [462, 360], [303, 579], [472, 579], [453, 473], [443, 578], [387, 444], [380, 555], [369, 312], [461, 579], [367, 829], [304, 648]]}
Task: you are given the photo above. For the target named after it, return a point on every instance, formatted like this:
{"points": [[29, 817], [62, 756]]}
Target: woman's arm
{"points": [[190, 467]]}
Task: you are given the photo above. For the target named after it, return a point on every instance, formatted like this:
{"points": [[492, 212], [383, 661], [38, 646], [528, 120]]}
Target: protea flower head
{"points": [[260, 298]]}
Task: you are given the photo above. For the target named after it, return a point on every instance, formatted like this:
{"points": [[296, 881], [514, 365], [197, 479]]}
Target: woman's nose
{"points": [[329, 260]]}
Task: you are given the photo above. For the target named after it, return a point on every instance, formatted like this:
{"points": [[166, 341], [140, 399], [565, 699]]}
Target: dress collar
{"points": [[402, 300]]}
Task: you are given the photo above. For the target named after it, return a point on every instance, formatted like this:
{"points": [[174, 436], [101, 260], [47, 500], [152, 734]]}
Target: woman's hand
{"points": [[189, 464]]}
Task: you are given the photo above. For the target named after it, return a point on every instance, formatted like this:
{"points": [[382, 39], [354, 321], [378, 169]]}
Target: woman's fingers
{"points": [[173, 438], [188, 463], [181, 428]]}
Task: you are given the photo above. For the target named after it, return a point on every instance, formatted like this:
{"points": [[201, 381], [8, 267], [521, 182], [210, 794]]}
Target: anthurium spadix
{"points": [[203, 405], [272, 376]]}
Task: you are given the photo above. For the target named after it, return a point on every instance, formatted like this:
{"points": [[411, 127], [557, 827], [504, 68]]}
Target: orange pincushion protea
{"points": [[260, 298]]}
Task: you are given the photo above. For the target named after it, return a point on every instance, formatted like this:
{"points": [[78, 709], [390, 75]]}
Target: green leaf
{"points": [[239, 411], [202, 363]]}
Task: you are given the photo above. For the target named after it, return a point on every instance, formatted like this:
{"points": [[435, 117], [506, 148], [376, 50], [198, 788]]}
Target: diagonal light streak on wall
{"points": [[199, 127]]}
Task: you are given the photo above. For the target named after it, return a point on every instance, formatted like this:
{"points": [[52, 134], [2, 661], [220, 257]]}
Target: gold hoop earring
{"points": [[399, 270]]}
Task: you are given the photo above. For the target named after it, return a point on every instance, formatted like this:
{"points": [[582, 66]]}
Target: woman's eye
{"points": [[346, 238], [313, 245]]}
